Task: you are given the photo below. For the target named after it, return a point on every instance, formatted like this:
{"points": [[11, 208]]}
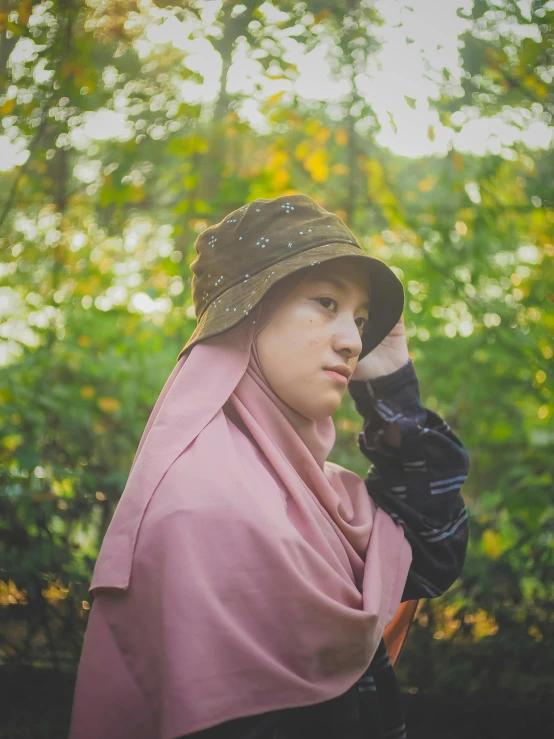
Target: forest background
{"points": [[127, 128]]}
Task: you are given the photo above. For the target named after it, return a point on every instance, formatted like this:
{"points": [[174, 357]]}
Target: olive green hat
{"points": [[257, 245]]}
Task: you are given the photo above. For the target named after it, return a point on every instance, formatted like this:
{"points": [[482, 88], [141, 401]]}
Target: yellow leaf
{"points": [[467, 214], [12, 441], [539, 87], [136, 193], [7, 108], [483, 624], [317, 166], [280, 179], [200, 145], [275, 98], [492, 543], [431, 133], [108, 405], [39, 167], [312, 127], [375, 174], [340, 169], [278, 158], [84, 340], [427, 184], [374, 168], [24, 11], [458, 161], [301, 151], [461, 228], [341, 136], [55, 592], [322, 135], [11, 595], [87, 391]]}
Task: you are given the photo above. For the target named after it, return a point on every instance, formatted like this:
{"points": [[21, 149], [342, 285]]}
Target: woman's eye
{"points": [[330, 300]]}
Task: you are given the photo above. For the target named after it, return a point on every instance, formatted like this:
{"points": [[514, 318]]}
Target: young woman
{"points": [[247, 588]]}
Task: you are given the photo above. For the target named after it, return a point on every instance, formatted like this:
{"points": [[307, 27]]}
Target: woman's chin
{"points": [[327, 405], [321, 406]]}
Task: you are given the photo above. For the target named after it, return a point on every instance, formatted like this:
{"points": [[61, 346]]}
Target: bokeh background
{"points": [[127, 128]]}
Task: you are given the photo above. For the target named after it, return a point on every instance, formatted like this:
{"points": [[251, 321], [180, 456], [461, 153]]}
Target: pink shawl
{"points": [[241, 572]]}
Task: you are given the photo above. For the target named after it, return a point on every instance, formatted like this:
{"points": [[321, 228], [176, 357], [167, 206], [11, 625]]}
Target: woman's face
{"points": [[316, 326]]}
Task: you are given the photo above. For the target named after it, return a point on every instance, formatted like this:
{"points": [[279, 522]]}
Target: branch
{"points": [[23, 169]]}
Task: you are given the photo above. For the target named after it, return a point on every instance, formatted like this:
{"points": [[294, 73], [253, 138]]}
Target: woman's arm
{"points": [[419, 466]]}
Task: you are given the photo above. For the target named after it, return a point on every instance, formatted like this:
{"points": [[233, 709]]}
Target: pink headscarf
{"points": [[241, 572]]}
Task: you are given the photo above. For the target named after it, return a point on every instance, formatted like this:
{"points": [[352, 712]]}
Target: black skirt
{"points": [[370, 709]]}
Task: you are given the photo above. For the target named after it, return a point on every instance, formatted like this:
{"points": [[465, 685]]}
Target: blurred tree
{"points": [[130, 158], [484, 228]]}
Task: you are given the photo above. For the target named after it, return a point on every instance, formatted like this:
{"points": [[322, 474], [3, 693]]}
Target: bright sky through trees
{"points": [[419, 39]]}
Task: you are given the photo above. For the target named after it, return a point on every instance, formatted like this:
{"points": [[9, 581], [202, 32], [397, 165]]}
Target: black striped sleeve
{"points": [[418, 483]]}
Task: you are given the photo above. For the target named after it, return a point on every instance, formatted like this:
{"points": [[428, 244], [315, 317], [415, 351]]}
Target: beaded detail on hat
{"points": [[298, 209], [272, 237]]}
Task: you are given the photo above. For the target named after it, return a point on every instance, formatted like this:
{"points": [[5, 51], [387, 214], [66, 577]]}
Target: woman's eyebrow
{"points": [[341, 286]]}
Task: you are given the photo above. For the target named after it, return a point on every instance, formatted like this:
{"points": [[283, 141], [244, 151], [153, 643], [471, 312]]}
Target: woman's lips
{"points": [[336, 377]]}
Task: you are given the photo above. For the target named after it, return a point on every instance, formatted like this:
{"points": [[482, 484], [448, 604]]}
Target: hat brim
{"points": [[386, 295]]}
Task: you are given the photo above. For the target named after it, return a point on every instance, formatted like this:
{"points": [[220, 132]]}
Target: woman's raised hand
{"points": [[388, 356]]}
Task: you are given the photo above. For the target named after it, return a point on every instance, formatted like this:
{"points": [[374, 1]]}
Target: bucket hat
{"points": [[240, 258]]}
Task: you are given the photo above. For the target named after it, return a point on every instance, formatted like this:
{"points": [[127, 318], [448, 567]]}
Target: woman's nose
{"points": [[348, 337]]}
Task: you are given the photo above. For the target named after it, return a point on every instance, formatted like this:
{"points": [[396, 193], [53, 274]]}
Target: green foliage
{"points": [[98, 236]]}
